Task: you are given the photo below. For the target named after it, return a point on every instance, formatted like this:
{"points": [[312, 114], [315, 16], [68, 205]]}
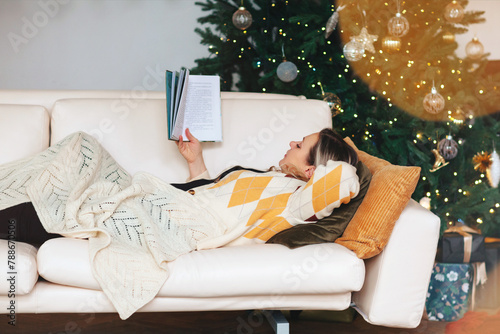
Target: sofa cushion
{"points": [[23, 272], [24, 131], [390, 190], [327, 229], [228, 271], [56, 298]]}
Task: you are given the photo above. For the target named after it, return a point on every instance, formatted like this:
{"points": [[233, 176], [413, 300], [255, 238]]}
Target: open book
{"points": [[193, 101]]}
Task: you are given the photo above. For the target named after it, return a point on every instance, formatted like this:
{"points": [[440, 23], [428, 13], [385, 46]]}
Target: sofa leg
{"points": [[277, 321]]}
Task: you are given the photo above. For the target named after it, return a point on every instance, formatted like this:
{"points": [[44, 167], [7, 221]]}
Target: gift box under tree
{"points": [[449, 291], [461, 244]]}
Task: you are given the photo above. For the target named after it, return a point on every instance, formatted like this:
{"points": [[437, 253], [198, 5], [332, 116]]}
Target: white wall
{"points": [[125, 44], [486, 32], [96, 44]]}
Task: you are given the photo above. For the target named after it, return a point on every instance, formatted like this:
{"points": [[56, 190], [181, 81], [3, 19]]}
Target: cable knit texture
{"points": [[135, 225]]}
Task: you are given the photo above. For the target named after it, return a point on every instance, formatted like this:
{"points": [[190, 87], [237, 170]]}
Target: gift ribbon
{"points": [[464, 231], [491, 240]]}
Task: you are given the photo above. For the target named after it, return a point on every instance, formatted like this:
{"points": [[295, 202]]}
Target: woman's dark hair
{"points": [[331, 146]]}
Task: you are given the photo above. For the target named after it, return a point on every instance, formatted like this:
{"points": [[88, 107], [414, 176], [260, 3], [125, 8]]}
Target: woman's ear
{"points": [[309, 171]]}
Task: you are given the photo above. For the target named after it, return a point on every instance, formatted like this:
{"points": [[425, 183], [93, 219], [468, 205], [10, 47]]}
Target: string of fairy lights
{"points": [[390, 82]]}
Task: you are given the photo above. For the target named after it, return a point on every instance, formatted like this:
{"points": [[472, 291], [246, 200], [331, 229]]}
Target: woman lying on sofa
{"points": [[136, 224], [299, 162]]}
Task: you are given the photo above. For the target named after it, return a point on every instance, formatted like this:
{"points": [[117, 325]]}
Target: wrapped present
{"points": [[461, 244], [449, 291]]}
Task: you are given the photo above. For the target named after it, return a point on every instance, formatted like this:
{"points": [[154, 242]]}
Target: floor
{"points": [[233, 322]]}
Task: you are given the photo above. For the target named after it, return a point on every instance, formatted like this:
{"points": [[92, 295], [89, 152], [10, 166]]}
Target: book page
{"points": [[203, 108]]}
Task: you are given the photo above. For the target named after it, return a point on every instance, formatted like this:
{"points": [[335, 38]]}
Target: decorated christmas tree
{"points": [[389, 72]]}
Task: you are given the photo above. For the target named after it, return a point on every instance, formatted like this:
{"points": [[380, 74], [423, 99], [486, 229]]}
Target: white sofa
{"points": [[388, 290]]}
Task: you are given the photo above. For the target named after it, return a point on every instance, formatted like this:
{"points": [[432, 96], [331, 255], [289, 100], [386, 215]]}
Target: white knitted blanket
{"points": [[134, 225]]}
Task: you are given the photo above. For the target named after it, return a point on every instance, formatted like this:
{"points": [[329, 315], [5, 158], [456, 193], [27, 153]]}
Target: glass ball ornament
{"points": [[433, 102], [474, 49], [454, 12], [333, 102], [287, 71], [242, 19], [354, 50], [398, 26], [448, 148], [391, 44]]}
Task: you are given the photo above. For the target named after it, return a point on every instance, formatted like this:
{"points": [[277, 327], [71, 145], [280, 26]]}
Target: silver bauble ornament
{"points": [[448, 147], [287, 71], [398, 26], [454, 12], [354, 50], [242, 19], [474, 49]]}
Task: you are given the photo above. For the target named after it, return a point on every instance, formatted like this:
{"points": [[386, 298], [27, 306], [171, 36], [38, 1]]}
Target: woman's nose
{"points": [[291, 144]]}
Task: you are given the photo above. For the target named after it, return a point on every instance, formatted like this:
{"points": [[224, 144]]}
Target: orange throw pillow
{"points": [[390, 190]]}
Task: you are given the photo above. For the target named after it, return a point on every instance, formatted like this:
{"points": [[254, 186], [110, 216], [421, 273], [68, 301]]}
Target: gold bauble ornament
{"points": [[448, 37], [242, 19], [334, 103], [391, 44]]}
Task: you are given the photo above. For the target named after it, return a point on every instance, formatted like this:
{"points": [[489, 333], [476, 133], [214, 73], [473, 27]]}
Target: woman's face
{"points": [[296, 156]]}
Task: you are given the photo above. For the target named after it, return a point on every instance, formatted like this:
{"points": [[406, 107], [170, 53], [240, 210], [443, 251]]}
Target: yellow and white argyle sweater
{"points": [[255, 206]]}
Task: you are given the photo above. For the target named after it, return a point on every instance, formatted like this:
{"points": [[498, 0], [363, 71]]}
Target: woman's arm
{"points": [[192, 152], [330, 186]]}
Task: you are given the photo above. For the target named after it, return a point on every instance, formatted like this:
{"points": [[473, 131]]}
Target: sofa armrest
{"points": [[18, 268], [397, 279]]}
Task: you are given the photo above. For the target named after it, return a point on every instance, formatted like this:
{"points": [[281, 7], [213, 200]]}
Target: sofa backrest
{"points": [[257, 128], [47, 98], [24, 131]]}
